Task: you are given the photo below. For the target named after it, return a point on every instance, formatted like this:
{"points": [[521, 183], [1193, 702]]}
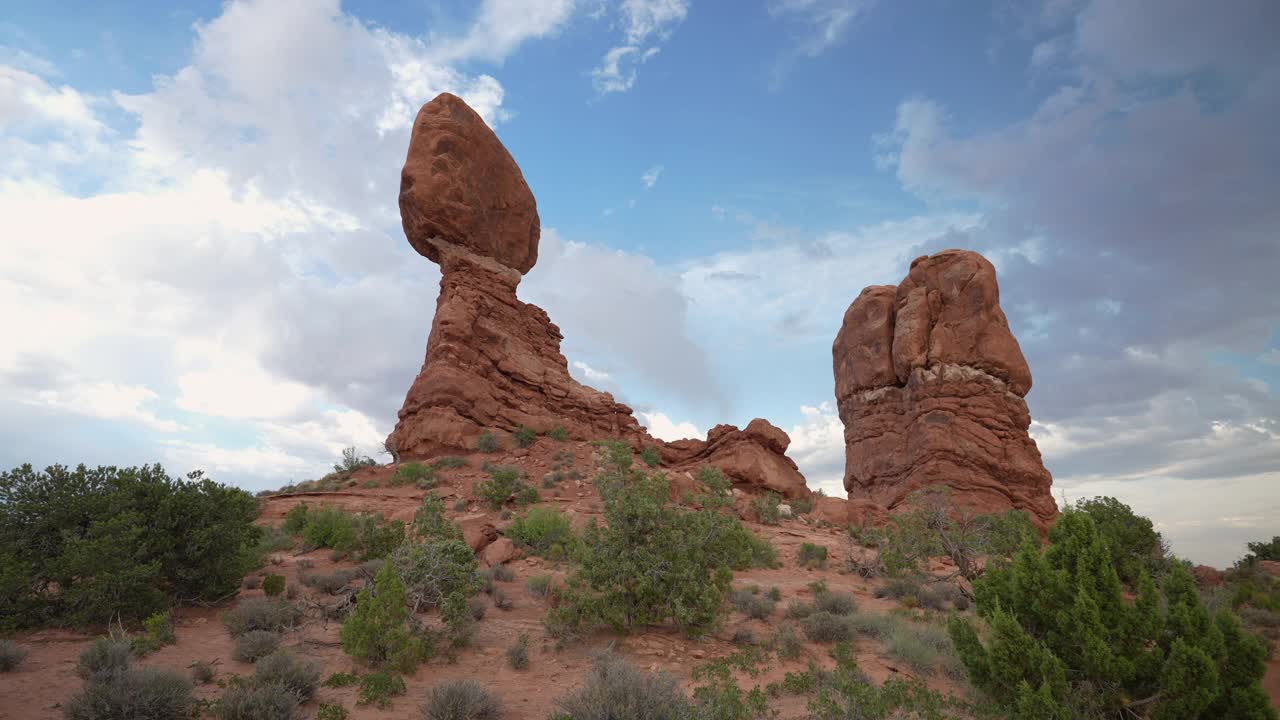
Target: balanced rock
{"points": [[930, 384], [752, 458], [493, 362]]}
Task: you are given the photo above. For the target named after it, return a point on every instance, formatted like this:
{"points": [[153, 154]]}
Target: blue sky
{"points": [[204, 265]]}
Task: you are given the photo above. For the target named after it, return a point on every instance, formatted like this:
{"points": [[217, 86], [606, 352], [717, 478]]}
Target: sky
{"points": [[203, 264]]}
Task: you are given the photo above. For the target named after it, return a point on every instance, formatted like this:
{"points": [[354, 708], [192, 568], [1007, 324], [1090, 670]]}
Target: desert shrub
{"points": [[378, 631], [376, 538], [299, 676], [616, 690], [652, 562], [341, 679], [104, 657], [774, 594], [500, 599], [541, 585], [836, 603], [272, 540], [487, 442], [438, 574], [157, 631], [296, 519], [518, 652], [495, 491], [899, 587], [254, 645], [501, 573], [328, 711], [1133, 542], [799, 610], [460, 505], [82, 546], [651, 457], [377, 688], [255, 701], [787, 642], [752, 605], [879, 627], [449, 462], [827, 627], [133, 694], [429, 522], [743, 636], [414, 473], [558, 433], [766, 508], [525, 495], [476, 606], [718, 697], [847, 694], [1063, 607], [275, 615], [352, 461], [11, 655], [330, 583], [813, 556], [252, 582], [273, 585], [540, 529], [801, 505], [329, 527], [202, 672], [461, 700], [524, 436]]}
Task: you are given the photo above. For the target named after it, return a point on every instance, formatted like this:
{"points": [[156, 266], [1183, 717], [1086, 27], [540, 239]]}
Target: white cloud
{"points": [[502, 26], [817, 446], [664, 428], [591, 374], [650, 176], [105, 400], [824, 23], [644, 24]]}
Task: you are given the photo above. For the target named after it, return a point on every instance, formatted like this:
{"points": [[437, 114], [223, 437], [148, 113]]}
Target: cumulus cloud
{"points": [[817, 446], [645, 24], [664, 428]]}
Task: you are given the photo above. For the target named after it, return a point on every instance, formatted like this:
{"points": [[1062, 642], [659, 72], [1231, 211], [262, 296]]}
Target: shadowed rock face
{"points": [[494, 362], [930, 385]]}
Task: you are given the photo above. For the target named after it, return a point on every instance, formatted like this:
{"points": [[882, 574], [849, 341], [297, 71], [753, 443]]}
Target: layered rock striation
{"points": [[494, 362], [930, 385]]}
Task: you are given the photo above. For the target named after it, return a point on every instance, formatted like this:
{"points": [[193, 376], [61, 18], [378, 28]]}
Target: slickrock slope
{"points": [[930, 385], [493, 362]]}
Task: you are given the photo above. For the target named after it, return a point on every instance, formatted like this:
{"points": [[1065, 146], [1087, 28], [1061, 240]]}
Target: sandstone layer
{"points": [[754, 457], [930, 384]]}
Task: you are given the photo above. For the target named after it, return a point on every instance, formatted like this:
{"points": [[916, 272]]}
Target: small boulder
{"points": [[499, 551]]}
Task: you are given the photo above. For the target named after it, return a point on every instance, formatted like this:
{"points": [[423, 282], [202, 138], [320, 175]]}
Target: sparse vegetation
{"points": [[379, 632], [11, 655], [813, 556], [461, 700], [558, 433], [518, 653], [274, 615], [329, 711], [543, 531], [133, 694], [766, 509], [377, 688], [82, 546], [364, 534], [299, 677], [255, 701], [202, 672], [753, 605], [487, 442], [524, 436], [495, 491], [651, 457], [104, 656], [273, 585], [352, 461], [616, 690], [254, 645], [416, 474]]}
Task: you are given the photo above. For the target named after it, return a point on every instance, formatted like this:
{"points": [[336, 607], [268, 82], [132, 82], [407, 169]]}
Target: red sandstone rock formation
{"points": [[493, 362], [753, 458], [930, 385]]}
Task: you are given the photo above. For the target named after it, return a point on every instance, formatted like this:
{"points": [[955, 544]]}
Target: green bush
{"points": [[133, 694], [788, 643], [801, 505], [351, 462], [104, 657], [11, 655], [540, 529], [541, 585], [254, 645], [274, 615], [753, 605], [378, 631], [329, 711], [558, 433], [157, 632], [329, 527], [1131, 539], [414, 473], [766, 508], [253, 701], [331, 583], [273, 585], [616, 690], [295, 521], [429, 522], [495, 491], [651, 457], [377, 688], [836, 603], [518, 653], [437, 574], [1264, 550], [526, 495], [524, 436], [813, 556], [1064, 607], [846, 694], [822, 626], [461, 700], [487, 442], [449, 462], [282, 668], [83, 546], [652, 562], [202, 672]]}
